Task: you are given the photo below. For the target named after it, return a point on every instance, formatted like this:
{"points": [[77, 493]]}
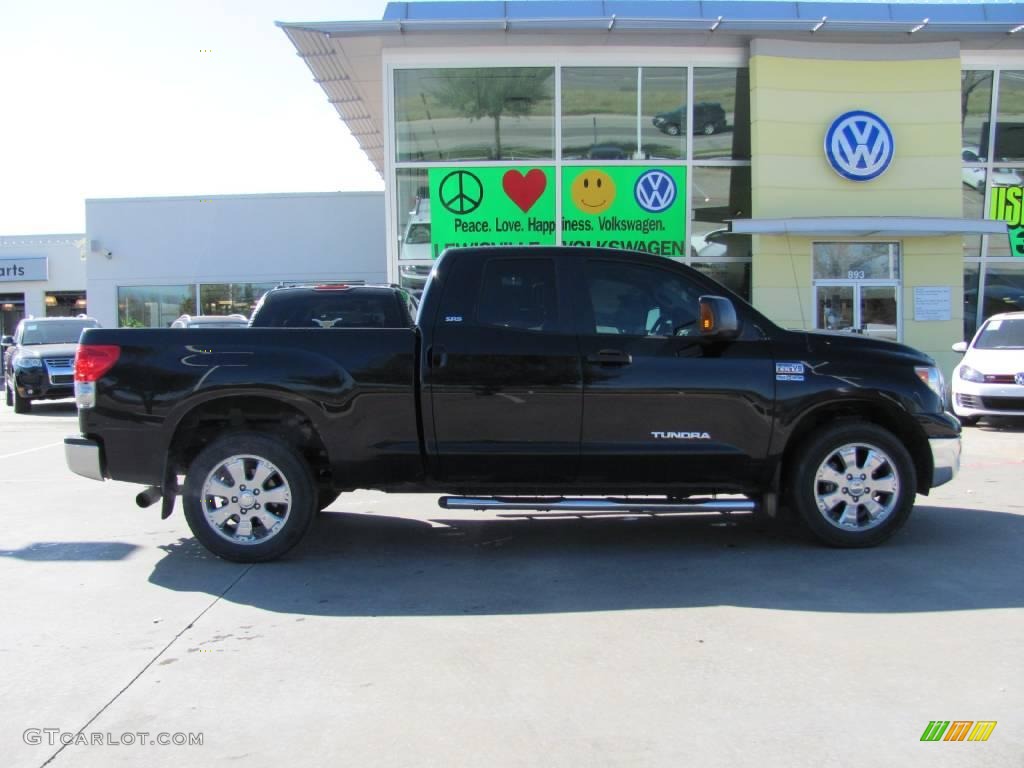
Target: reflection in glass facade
{"points": [[1010, 119], [1004, 287], [721, 113], [623, 113], [994, 269], [496, 113], [630, 119], [231, 298], [975, 104], [971, 275], [856, 261], [154, 306]]}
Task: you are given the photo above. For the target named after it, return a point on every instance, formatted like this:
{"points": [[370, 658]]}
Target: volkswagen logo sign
{"points": [[655, 191], [859, 145], [1019, 378]]}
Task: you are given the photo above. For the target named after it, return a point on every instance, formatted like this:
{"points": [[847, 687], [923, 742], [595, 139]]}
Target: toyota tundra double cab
{"points": [[535, 381]]}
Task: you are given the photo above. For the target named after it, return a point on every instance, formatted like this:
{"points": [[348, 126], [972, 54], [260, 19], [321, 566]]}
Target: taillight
{"points": [[93, 360]]}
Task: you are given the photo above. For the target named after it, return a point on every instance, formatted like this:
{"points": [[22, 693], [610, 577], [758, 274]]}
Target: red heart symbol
{"points": [[524, 191]]}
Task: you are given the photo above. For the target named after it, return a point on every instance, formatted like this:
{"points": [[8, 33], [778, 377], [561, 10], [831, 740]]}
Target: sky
{"points": [[137, 98], [118, 98]]}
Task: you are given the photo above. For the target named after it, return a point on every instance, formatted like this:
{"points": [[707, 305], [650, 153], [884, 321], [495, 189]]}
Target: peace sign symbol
{"points": [[461, 192]]}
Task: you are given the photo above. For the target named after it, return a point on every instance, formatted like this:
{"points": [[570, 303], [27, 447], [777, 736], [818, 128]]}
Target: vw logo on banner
{"points": [[655, 191], [859, 145]]}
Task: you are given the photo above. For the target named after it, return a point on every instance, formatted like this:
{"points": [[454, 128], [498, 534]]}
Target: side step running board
{"points": [[593, 506]]}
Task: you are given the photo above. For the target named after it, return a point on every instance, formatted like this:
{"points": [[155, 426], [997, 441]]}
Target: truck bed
{"points": [[357, 387]]}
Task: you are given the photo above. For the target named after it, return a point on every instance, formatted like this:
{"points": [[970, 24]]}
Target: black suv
{"points": [[708, 118], [39, 360], [335, 306]]}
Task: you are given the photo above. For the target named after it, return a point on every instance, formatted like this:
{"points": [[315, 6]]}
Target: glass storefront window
{"points": [[623, 113], [231, 298], [856, 261], [155, 306], [971, 273], [719, 194], [973, 188], [721, 113], [1004, 288], [497, 113], [413, 208], [65, 303], [975, 107], [1010, 119], [734, 274], [1007, 207]]}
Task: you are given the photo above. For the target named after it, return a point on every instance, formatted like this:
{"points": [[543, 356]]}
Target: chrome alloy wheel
{"points": [[246, 499], [856, 487]]}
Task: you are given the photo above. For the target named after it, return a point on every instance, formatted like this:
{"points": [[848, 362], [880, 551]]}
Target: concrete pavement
{"points": [[389, 639]]}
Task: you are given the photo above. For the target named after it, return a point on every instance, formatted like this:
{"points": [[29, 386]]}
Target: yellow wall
{"points": [[794, 98]]}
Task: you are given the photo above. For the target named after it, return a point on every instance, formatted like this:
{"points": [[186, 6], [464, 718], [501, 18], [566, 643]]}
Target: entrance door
{"points": [[857, 289]]}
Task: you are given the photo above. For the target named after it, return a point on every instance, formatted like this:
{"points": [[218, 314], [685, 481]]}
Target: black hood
{"points": [[855, 344]]}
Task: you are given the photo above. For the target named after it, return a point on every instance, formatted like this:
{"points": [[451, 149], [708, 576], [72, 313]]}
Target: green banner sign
{"points": [[1007, 204], [491, 206], [636, 208]]}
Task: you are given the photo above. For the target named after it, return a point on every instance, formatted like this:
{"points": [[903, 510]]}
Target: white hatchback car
{"points": [[990, 379]]}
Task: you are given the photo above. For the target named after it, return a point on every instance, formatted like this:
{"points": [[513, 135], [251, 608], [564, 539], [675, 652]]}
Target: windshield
{"points": [[1001, 334], [59, 332]]}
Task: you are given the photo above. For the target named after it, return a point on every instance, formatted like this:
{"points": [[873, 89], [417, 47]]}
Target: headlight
{"points": [[28, 362], [932, 376], [969, 374]]}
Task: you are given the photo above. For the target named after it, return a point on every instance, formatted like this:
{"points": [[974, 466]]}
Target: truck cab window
{"points": [[638, 300], [519, 293]]}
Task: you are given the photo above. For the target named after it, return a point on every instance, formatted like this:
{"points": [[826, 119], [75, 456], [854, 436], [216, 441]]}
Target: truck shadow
{"points": [[359, 565]]}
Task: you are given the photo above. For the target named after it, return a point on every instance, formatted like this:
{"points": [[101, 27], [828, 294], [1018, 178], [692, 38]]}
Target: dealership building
{"points": [[842, 165]]}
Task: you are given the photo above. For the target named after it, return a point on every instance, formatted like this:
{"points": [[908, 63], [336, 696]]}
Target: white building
{"points": [[40, 276], [153, 259]]}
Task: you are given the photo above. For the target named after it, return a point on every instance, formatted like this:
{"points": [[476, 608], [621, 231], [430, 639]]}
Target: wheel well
{"points": [[902, 428], [251, 414]]}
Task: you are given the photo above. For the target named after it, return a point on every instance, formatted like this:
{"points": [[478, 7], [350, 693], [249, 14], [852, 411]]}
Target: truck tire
{"points": [[7, 394], [853, 484], [21, 404], [248, 497]]}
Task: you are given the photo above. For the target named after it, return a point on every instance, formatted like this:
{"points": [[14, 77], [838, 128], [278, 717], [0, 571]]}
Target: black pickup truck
{"points": [[536, 381]]}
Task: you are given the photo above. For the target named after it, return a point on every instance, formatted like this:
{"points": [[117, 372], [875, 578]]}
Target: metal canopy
{"points": [[868, 226]]}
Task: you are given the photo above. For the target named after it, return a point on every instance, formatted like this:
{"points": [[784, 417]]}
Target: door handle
{"points": [[438, 357], [610, 357]]}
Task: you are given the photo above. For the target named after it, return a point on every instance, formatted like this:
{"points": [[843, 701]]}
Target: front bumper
{"points": [[36, 384], [84, 457], [945, 459], [987, 399]]}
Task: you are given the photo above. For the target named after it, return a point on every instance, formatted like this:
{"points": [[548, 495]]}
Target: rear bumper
{"points": [[84, 457], [945, 459]]}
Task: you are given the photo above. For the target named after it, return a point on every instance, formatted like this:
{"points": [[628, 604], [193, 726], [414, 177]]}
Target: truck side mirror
{"points": [[960, 346], [7, 341], [718, 318]]}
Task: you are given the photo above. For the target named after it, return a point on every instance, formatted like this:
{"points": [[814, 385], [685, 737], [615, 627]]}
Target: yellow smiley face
{"points": [[593, 191]]}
